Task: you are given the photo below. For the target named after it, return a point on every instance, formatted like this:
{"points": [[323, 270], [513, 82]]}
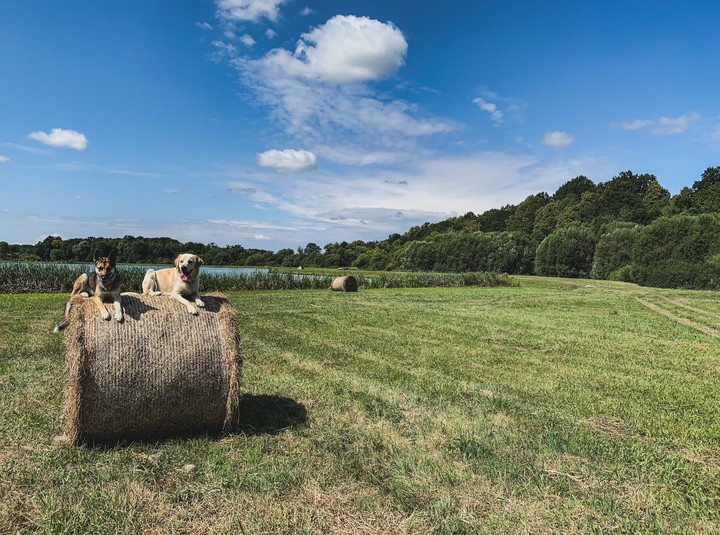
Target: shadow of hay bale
{"points": [[258, 415], [269, 415]]}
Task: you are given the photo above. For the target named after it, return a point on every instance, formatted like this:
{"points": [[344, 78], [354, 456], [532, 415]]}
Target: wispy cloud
{"points": [[440, 187], [204, 25], [249, 10], [663, 126], [223, 51], [26, 148], [4, 159], [85, 167], [59, 137], [498, 107], [496, 115]]}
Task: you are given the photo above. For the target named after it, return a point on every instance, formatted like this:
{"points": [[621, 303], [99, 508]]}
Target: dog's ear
{"points": [[113, 256], [177, 260], [95, 255], [199, 261]]}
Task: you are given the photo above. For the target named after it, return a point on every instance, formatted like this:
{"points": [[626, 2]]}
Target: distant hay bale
{"points": [[347, 283], [162, 372]]}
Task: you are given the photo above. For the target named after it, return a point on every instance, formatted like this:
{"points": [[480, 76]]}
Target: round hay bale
{"points": [[346, 283], [162, 372]]}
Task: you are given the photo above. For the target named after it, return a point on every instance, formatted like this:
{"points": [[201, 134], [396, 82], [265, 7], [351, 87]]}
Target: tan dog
{"points": [[100, 285], [181, 283]]}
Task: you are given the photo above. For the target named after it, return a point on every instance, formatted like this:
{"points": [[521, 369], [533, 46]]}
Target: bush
{"points": [[613, 251], [628, 273], [679, 274], [567, 252], [505, 252]]}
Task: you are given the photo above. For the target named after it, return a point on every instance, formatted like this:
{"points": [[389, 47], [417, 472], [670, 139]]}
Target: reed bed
{"points": [[38, 277]]}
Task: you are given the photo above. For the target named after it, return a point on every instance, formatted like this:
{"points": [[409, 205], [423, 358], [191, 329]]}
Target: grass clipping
{"points": [[162, 372]]}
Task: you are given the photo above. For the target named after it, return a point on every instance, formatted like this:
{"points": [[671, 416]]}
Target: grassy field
{"points": [[553, 406]]}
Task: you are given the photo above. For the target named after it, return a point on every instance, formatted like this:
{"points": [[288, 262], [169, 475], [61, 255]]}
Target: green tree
{"points": [[573, 189], [523, 218]]}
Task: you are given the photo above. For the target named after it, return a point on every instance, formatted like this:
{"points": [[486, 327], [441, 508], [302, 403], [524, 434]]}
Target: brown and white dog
{"points": [[181, 283], [100, 285]]}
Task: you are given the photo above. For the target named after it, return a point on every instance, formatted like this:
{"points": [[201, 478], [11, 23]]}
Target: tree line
{"points": [[628, 228]]}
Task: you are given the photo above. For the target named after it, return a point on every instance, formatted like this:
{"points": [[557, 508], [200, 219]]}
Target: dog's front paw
{"points": [[199, 303], [192, 310], [119, 318], [106, 315]]}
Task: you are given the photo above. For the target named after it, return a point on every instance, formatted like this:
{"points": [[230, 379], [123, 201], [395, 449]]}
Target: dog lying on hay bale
{"points": [[161, 373], [347, 283]]}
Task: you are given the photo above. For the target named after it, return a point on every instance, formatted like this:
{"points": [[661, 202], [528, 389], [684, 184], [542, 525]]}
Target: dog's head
{"points": [[105, 266], [188, 266]]}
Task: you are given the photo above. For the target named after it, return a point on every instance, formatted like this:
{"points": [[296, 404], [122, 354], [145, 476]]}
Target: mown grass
{"points": [[554, 406], [37, 277]]}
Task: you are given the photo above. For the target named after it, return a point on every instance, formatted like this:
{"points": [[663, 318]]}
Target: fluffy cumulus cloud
{"points": [[348, 49], [249, 10], [59, 137], [558, 139], [664, 126], [288, 160]]}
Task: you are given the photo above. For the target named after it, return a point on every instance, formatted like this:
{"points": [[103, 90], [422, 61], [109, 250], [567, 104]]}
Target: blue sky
{"points": [[271, 123]]}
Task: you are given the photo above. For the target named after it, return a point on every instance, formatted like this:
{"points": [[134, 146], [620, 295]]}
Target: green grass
{"points": [[554, 406]]}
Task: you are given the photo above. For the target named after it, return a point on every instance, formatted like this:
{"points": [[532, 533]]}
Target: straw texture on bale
{"points": [[162, 372], [347, 283]]}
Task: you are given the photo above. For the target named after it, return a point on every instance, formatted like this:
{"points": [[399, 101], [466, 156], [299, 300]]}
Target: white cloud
{"points": [[204, 25], [347, 49], [247, 40], [496, 115], [349, 155], [321, 93], [4, 159], [306, 11], [677, 125], [320, 113], [222, 50], [249, 10], [288, 160], [637, 124], [558, 139], [663, 126], [368, 205], [270, 33], [59, 137]]}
